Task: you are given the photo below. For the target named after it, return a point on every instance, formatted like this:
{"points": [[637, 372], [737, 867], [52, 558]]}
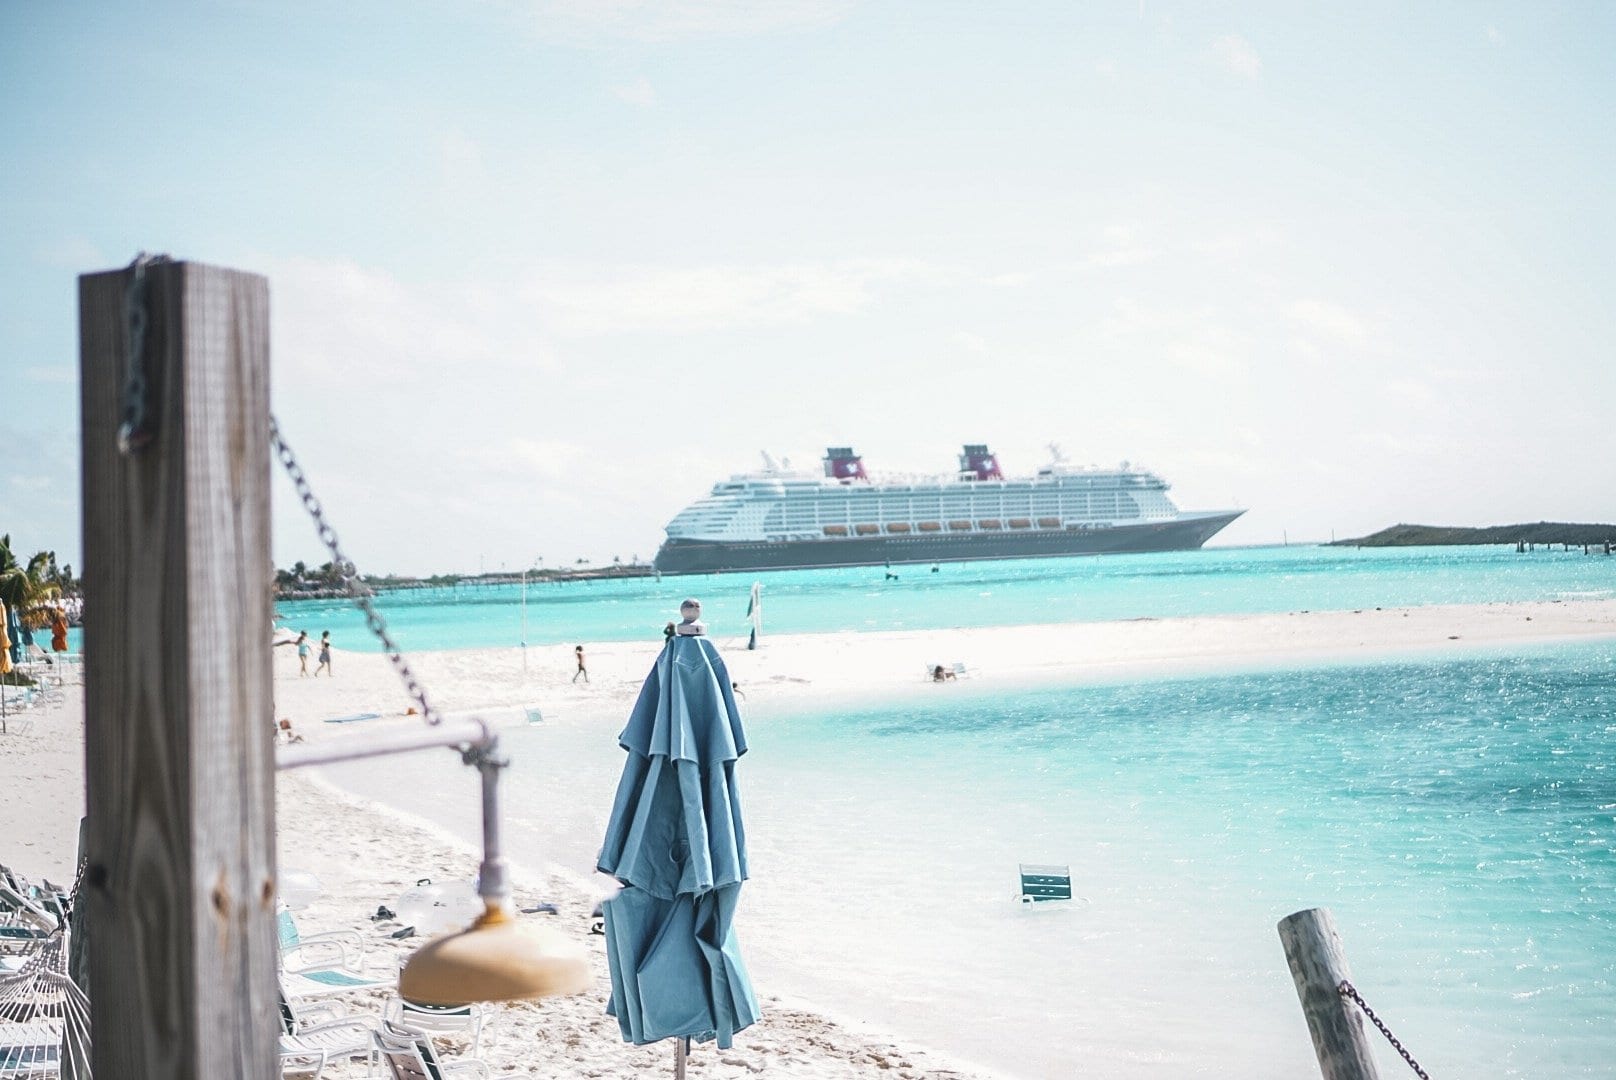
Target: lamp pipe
{"points": [[472, 733]]}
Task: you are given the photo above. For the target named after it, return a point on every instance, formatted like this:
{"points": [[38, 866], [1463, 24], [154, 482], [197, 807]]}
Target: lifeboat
{"points": [[959, 526], [930, 526], [1049, 523], [989, 523], [898, 527], [835, 530], [1021, 523], [866, 529]]}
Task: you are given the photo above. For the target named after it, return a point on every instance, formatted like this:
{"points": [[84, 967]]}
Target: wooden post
{"points": [[179, 768], [1319, 965]]}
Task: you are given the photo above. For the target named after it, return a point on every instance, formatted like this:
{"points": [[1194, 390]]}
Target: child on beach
{"points": [[325, 655], [303, 651], [579, 653]]}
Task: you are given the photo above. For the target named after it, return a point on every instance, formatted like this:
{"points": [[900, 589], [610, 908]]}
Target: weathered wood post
{"points": [[1319, 965], [179, 769]]}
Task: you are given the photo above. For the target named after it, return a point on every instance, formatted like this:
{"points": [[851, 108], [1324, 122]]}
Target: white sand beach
{"points": [[365, 856]]}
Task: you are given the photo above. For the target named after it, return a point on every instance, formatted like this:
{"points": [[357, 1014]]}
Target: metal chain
{"points": [[135, 432], [1347, 990], [357, 589]]}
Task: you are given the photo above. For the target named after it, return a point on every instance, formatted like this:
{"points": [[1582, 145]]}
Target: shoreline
{"points": [[365, 853]]}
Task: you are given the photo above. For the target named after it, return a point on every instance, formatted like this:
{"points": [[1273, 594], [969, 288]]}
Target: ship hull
{"points": [[678, 556]]}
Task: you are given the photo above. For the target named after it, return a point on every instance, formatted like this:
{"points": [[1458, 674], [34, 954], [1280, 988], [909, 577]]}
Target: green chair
{"points": [[1045, 882]]}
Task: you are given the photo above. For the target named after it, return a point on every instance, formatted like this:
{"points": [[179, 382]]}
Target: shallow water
{"points": [[1458, 816], [1208, 582]]}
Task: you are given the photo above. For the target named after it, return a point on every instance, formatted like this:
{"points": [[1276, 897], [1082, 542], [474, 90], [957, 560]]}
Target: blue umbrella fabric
{"points": [[676, 842]]}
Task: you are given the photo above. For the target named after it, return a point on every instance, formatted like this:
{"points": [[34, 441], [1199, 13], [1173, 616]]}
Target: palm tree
{"points": [[31, 589]]}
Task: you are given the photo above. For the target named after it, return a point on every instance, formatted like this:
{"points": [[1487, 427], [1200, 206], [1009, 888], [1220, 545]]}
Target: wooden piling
{"points": [[179, 768], [1319, 965]]}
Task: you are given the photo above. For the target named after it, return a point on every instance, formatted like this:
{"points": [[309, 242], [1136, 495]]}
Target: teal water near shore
{"points": [[1208, 582], [1458, 815], [1456, 812]]}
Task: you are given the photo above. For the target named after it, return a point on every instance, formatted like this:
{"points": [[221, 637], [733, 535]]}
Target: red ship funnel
{"points": [[842, 464], [978, 459]]}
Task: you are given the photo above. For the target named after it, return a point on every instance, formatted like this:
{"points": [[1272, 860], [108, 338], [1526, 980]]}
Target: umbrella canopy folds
{"points": [[676, 842]]}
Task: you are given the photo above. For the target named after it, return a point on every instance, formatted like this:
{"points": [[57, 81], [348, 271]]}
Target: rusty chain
{"points": [[136, 430], [1347, 990], [357, 589]]}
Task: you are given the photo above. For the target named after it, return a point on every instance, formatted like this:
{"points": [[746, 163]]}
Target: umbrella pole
{"points": [[681, 1047]]}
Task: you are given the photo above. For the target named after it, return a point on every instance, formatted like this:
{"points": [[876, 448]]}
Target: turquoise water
{"points": [[1457, 814], [1213, 581]]}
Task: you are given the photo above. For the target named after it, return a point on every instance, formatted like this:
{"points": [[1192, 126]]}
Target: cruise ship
{"points": [[776, 519]]}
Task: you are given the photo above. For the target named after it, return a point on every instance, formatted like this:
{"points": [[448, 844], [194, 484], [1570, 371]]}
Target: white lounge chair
{"points": [[342, 950], [439, 1019], [311, 1049], [409, 1055], [299, 985]]}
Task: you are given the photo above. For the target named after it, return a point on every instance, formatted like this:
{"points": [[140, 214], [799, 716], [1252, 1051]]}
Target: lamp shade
{"points": [[495, 959]]}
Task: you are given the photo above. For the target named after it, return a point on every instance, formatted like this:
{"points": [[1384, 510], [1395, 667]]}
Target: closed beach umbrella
{"points": [[676, 842], [5, 639]]}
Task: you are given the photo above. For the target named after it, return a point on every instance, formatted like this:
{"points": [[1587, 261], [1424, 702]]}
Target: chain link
{"points": [[135, 433], [357, 589], [1347, 990]]}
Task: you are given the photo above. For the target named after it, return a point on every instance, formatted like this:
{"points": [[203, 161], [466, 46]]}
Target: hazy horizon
{"points": [[542, 271]]}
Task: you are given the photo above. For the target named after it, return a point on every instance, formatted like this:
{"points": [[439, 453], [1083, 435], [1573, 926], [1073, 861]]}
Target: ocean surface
{"points": [[1208, 582], [1456, 812]]}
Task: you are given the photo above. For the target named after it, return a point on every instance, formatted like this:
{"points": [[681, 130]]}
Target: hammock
{"points": [[44, 1018]]}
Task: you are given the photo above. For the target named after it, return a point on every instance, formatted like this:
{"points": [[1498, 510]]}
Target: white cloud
{"points": [[1328, 318], [705, 298], [675, 20], [639, 93], [1238, 55], [1494, 35], [51, 374], [75, 253]]}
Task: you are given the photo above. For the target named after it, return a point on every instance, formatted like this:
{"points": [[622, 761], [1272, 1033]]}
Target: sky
{"points": [[543, 271]]}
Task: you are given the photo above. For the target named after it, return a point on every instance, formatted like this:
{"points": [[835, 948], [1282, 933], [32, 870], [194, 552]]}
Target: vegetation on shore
{"points": [[1542, 532], [325, 582], [34, 589]]}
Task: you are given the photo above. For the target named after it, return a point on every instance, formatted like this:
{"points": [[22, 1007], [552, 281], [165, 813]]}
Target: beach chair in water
{"points": [[409, 1055], [1044, 882]]}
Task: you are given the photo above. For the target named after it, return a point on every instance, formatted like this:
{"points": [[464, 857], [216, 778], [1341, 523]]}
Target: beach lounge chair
{"points": [[342, 950], [298, 985], [439, 1019], [31, 1049], [409, 1055], [1045, 882], [311, 1049]]}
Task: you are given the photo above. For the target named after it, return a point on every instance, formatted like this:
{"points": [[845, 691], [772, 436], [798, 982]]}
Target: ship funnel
{"points": [[981, 462], [842, 464]]}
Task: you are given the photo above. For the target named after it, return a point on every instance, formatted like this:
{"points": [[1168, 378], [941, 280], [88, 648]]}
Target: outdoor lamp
{"points": [[495, 958]]}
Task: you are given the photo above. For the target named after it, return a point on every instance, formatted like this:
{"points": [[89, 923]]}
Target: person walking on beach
{"points": [[578, 652], [303, 651], [325, 656]]}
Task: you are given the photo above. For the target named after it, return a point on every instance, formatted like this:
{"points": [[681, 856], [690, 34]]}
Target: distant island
{"points": [[1600, 537], [325, 582]]}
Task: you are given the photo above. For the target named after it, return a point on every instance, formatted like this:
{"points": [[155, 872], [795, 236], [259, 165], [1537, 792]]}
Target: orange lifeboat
{"points": [[898, 527], [930, 526], [835, 530], [1049, 523], [1021, 523], [959, 526], [866, 529], [989, 523]]}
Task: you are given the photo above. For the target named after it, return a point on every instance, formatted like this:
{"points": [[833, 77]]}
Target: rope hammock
{"points": [[44, 1018]]}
